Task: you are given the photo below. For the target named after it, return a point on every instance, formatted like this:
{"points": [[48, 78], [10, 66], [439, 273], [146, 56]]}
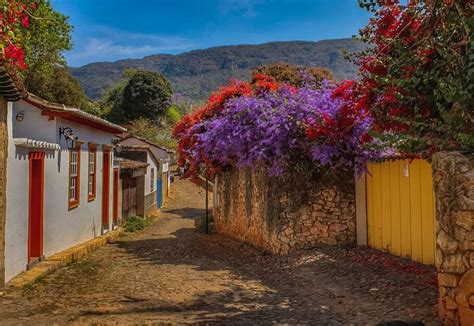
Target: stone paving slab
{"points": [[173, 274], [54, 262]]}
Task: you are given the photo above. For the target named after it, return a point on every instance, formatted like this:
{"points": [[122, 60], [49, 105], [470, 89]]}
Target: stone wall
{"points": [[453, 176], [3, 184], [282, 215]]}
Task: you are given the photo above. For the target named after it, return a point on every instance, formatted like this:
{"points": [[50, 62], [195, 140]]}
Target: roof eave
{"points": [[11, 87], [73, 114]]}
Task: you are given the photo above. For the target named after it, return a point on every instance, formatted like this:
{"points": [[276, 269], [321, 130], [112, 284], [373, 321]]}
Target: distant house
{"points": [[62, 187], [165, 158], [132, 176], [140, 191]]}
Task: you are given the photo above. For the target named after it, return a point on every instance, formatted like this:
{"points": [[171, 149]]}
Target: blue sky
{"points": [[109, 30]]}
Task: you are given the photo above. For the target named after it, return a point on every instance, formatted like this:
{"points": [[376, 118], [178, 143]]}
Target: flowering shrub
{"points": [[14, 16], [185, 131], [280, 128], [417, 77]]}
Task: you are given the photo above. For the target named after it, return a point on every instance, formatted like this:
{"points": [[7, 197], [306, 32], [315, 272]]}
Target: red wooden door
{"points": [[115, 195], [36, 205], [105, 189]]}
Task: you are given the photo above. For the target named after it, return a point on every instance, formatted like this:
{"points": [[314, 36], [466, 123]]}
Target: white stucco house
{"points": [[164, 156], [147, 195], [62, 187], [11, 90]]}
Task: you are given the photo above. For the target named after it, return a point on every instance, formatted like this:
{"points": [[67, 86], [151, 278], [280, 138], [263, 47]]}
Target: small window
{"points": [[74, 177], [92, 166], [152, 179]]}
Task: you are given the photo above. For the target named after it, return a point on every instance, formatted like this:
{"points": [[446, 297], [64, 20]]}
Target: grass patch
{"points": [[136, 223], [30, 287], [85, 266]]}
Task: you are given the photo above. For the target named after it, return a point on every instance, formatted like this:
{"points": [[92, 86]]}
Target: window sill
{"points": [[73, 205], [91, 198]]}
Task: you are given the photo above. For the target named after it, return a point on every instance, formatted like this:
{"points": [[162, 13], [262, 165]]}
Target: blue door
{"points": [[159, 193]]}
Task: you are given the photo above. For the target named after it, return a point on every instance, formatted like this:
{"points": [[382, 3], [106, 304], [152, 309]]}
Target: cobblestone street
{"points": [[174, 273]]}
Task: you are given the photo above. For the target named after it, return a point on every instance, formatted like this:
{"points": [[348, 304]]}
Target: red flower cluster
{"points": [[16, 55], [14, 15], [265, 83], [352, 110], [214, 106], [394, 27]]}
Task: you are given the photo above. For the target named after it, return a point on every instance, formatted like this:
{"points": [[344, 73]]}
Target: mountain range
{"points": [[197, 73]]}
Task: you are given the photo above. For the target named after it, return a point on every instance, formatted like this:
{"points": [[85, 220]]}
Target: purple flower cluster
{"points": [[270, 130]]}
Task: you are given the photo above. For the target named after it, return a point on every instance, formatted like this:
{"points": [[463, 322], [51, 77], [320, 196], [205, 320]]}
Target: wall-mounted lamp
{"points": [[69, 136], [19, 117], [117, 146]]}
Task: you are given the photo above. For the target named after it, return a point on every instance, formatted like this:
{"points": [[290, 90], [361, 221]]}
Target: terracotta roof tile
{"points": [[130, 164]]}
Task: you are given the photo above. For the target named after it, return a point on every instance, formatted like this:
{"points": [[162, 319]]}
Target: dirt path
{"points": [[171, 273]]}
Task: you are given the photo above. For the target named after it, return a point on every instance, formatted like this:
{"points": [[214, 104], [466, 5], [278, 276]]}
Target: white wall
{"points": [[62, 227], [159, 153], [152, 164]]}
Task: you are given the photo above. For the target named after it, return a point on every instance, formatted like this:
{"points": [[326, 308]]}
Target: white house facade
{"points": [[164, 156], [62, 187], [10, 90], [143, 153]]}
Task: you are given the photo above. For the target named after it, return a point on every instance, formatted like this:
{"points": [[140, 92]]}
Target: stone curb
{"points": [[62, 258]]}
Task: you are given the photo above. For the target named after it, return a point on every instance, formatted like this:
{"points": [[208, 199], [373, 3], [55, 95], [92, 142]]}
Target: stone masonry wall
{"points": [[282, 215], [453, 176], [3, 184]]}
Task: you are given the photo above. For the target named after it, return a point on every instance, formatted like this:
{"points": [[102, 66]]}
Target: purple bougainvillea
{"points": [[279, 129]]}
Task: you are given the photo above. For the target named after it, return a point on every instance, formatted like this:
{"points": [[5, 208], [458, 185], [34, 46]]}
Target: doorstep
{"points": [[54, 262]]}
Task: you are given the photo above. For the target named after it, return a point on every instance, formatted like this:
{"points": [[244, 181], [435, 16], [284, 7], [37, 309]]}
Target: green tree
{"points": [[173, 115], [146, 95], [46, 75], [296, 76], [111, 106], [45, 41], [160, 135], [60, 87]]}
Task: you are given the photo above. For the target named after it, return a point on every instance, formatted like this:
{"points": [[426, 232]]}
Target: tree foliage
{"points": [[297, 76], [417, 76], [45, 41], [160, 135], [146, 95], [34, 37], [60, 87]]}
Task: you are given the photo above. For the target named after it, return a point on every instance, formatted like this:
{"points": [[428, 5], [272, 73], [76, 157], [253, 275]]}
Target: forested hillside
{"points": [[196, 73]]}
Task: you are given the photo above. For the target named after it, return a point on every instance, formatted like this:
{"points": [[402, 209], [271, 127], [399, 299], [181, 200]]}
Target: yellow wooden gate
{"points": [[400, 209]]}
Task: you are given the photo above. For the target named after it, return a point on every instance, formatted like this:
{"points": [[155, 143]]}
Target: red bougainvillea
{"points": [[14, 16], [214, 106], [417, 76]]}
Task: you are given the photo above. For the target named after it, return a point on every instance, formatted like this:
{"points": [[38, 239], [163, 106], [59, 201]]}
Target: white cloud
{"points": [[100, 47], [108, 44], [245, 7]]}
